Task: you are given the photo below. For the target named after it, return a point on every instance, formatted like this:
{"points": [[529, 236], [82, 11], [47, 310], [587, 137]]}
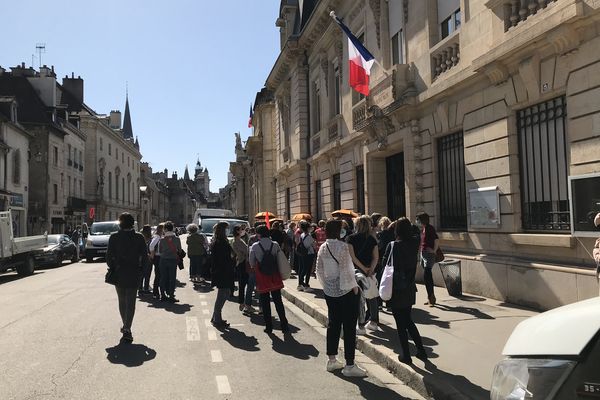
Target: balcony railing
{"points": [[359, 113], [316, 142], [517, 11], [334, 129], [445, 55]]}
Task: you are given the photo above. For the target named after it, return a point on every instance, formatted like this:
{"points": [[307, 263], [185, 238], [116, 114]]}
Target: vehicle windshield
{"points": [[53, 239], [209, 223], [103, 228]]}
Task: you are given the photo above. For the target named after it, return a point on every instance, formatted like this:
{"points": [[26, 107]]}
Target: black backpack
{"points": [[268, 264], [301, 248]]}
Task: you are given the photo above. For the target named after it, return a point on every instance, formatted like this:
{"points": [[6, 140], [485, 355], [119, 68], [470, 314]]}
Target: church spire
{"points": [[127, 129], [186, 175]]}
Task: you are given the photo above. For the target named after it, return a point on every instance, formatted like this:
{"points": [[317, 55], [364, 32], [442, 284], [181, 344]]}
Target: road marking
{"points": [[215, 356], [212, 335], [203, 303], [236, 325], [207, 323], [193, 332], [205, 312], [202, 296], [223, 384]]}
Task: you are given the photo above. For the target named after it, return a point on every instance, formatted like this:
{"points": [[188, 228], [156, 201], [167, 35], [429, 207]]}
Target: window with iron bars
{"points": [[453, 195], [544, 166]]}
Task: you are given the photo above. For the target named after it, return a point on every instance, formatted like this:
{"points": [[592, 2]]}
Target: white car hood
{"points": [[564, 331]]}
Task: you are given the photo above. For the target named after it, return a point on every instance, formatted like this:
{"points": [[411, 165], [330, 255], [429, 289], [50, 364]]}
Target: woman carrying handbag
{"points": [[402, 255]]}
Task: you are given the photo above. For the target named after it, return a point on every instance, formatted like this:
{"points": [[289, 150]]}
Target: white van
{"points": [[211, 213]]}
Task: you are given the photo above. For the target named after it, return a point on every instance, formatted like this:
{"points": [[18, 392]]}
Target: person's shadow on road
{"points": [[130, 355], [240, 340], [289, 346]]}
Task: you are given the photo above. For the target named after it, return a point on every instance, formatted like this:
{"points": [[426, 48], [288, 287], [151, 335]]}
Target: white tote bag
{"points": [[387, 279], [371, 291], [285, 269]]}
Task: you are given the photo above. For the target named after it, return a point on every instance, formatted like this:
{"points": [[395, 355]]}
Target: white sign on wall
{"points": [[484, 207]]}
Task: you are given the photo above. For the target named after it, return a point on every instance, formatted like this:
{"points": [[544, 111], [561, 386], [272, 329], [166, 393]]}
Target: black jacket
{"points": [[222, 265], [405, 261], [126, 252]]}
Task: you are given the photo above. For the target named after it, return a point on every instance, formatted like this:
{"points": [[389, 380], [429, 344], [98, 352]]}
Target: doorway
{"points": [[396, 197]]}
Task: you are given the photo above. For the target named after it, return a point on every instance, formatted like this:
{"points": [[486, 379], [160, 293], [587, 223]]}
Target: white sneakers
{"points": [[333, 365], [372, 326], [360, 331], [350, 371], [354, 371]]}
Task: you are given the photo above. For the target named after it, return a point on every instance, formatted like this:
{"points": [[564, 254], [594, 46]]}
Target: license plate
{"points": [[101, 251], [589, 390]]}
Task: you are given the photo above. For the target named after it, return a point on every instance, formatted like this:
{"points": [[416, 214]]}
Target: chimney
{"points": [[44, 83], [21, 70], [45, 71], [115, 119], [74, 86]]}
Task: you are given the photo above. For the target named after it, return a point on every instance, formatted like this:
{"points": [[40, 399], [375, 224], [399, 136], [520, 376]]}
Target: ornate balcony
{"points": [[517, 11], [316, 142], [445, 55], [359, 113], [334, 128]]}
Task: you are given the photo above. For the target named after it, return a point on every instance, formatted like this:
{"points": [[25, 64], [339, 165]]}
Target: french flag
{"points": [[250, 118], [361, 60]]}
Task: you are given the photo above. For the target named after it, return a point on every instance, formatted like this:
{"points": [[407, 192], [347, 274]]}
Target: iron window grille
{"points": [[337, 192], [360, 189], [453, 194], [544, 166]]}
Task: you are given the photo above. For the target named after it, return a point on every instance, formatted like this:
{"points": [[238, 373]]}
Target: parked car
{"points": [[554, 355], [97, 241], [58, 248]]}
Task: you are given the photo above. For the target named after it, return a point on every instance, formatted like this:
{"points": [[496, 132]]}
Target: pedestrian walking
{"points": [[403, 254], [246, 277], [155, 257], [365, 255], [320, 235], [277, 234], [429, 246], [147, 262], [196, 246], [222, 271], [268, 279], [335, 271], [76, 237], [305, 249], [124, 255], [170, 248]]}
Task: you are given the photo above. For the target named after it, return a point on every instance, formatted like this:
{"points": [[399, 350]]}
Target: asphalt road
{"points": [[59, 339]]}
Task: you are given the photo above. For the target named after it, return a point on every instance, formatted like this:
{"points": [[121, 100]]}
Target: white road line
{"points": [[207, 323], [223, 384], [215, 356], [202, 296], [212, 335], [205, 312], [203, 303], [193, 332], [236, 325]]}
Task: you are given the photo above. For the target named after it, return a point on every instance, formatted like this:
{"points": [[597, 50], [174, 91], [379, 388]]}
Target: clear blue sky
{"points": [[193, 66]]}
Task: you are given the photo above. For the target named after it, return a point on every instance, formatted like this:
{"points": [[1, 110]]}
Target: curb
{"points": [[426, 386]]}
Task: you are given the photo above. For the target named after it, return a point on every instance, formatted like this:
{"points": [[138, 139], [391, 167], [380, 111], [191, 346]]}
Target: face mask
{"points": [[342, 233]]}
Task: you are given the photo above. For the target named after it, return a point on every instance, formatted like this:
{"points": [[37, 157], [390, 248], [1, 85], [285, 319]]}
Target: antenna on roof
{"points": [[40, 48]]}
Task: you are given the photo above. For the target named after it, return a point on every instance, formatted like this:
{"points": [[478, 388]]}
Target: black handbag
{"points": [[111, 276]]}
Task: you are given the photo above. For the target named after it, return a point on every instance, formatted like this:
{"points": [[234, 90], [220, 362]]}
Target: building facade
{"points": [[479, 112], [154, 197], [112, 165], [14, 165]]}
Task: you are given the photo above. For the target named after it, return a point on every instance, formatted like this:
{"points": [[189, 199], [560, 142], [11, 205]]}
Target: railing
{"points": [[520, 10], [81, 167], [286, 154], [333, 130], [316, 142], [76, 204], [359, 113], [445, 55], [76, 165]]}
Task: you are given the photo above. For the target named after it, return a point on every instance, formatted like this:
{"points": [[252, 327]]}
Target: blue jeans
{"points": [[251, 284], [305, 268], [168, 276]]}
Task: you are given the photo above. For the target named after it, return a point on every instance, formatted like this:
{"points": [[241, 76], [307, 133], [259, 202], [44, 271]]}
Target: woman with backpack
{"points": [[246, 277], [169, 248], [155, 257], [222, 272], [263, 261], [196, 243], [403, 254], [335, 271], [305, 250]]}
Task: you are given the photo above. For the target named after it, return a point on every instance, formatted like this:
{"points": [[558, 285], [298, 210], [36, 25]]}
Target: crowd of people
{"points": [[346, 255]]}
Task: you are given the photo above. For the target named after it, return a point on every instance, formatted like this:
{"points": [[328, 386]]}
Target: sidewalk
{"points": [[464, 338]]}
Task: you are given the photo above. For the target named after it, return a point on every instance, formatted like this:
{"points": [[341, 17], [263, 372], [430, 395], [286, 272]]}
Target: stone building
{"points": [[49, 113], [183, 199], [112, 165], [14, 165], [154, 198], [479, 112]]}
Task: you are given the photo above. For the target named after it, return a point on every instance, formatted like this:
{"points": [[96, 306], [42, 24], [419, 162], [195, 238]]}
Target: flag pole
{"points": [[333, 16]]}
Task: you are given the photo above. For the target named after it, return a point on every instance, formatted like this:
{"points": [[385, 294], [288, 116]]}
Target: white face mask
{"points": [[343, 233]]}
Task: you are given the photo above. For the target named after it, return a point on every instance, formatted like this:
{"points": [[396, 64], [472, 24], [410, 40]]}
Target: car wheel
{"points": [[89, 259], [59, 260], [74, 259], [27, 267]]}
